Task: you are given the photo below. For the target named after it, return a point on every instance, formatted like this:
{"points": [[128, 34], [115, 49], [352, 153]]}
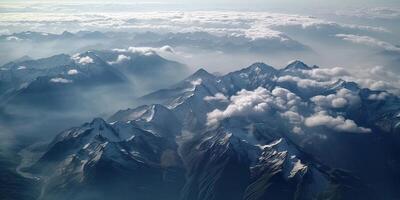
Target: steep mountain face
{"points": [[253, 134], [140, 64], [284, 172], [155, 118], [60, 80], [349, 106], [84, 161], [14, 74]]}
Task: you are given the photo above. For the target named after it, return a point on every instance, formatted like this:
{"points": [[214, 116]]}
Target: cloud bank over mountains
{"points": [[249, 24], [389, 13], [241, 36], [369, 41]]}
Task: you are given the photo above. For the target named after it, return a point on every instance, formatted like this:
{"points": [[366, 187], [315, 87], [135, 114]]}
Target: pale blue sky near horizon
{"points": [[234, 4]]}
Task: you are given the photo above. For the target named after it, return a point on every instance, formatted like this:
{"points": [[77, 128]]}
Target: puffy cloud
{"points": [[340, 99], [120, 59], [248, 103], [72, 72], [217, 97], [167, 48], [13, 38], [326, 74], [372, 13], [142, 50], [85, 60], [303, 82], [147, 50], [82, 60], [338, 123], [383, 73], [284, 99], [60, 80], [376, 78], [379, 85], [369, 41], [244, 103], [293, 117], [196, 82]]}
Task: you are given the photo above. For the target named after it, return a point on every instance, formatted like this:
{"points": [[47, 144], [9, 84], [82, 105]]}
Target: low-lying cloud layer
{"points": [[369, 41], [341, 99], [372, 13], [262, 103], [338, 123], [249, 24]]}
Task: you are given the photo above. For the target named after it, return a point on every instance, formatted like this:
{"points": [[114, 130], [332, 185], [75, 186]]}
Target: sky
{"points": [[235, 4]]}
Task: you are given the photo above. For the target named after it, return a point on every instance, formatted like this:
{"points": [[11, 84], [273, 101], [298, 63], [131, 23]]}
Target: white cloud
{"points": [[60, 80], [284, 99], [340, 99], [244, 103], [379, 85], [372, 13], [167, 48], [82, 60], [13, 38], [217, 97], [293, 117], [196, 82], [21, 67], [369, 41], [376, 78], [147, 50], [248, 103], [120, 59], [252, 25], [72, 72], [325, 74], [383, 72], [303, 82], [338, 123]]}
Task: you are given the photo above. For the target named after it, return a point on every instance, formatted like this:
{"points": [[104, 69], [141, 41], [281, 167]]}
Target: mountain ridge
{"points": [[269, 147]]}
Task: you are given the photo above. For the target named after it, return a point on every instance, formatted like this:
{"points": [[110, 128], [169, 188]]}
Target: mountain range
{"points": [[79, 85], [39, 44], [256, 133]]}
